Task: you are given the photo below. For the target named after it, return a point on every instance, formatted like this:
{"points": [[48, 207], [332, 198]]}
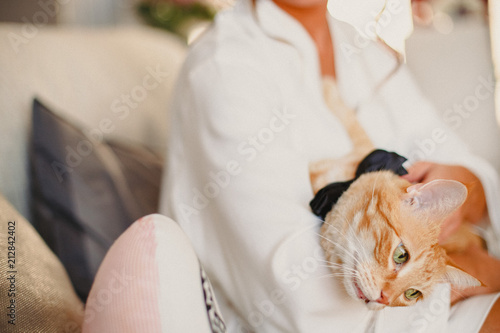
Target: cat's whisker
{"points": [[354, 236], [328, 262], [337, 230], [340, 247], [325, 261], [347, 223], [329, 276], [349, 274], [360, 245], [340, 267], [339, 274]]}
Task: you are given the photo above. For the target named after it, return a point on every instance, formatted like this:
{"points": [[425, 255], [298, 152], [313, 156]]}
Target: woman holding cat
{"points": [[248, 118]]}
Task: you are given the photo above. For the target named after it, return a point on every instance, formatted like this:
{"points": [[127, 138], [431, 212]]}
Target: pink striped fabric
{"points": [[124, 296]]}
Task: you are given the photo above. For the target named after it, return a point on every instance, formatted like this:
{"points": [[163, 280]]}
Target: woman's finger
{"points": [[417, 172]]}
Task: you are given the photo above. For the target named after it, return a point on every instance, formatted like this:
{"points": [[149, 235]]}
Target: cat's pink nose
{"points": [[383, 299]]}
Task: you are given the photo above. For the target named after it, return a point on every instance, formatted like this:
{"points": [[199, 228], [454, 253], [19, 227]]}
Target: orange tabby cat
{"points": [[382, 234]]}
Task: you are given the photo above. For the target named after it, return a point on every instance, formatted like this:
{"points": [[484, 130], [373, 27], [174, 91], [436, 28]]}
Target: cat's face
{"points": [[383, 236]]}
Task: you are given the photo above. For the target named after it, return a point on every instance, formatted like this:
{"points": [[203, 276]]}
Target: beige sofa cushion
{"points": [[116, 82], [37, 295]]}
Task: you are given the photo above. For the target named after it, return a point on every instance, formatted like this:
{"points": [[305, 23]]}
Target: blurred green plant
{"points": [[175, 16]]}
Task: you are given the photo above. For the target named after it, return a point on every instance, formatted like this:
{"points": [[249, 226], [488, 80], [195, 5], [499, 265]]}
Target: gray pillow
{"points": [[85, 192]]}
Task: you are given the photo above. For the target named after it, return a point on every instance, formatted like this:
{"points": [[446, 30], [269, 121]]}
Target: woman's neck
{"points": [[314, 19]]}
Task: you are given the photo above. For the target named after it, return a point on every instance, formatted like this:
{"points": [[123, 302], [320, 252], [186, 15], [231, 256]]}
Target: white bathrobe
{"points": [[248, 118]]}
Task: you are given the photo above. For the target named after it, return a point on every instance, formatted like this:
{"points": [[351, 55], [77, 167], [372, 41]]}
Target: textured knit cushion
{"points": [[86, 191], [37, 295], [150, 281]]}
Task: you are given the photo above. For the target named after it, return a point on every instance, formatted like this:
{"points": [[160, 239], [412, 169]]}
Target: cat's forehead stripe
{"points": [[383, 247], [383, 235], [376, 208]]}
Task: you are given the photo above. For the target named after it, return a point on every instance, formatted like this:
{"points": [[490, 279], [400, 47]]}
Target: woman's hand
{"points": [[474, 207]]}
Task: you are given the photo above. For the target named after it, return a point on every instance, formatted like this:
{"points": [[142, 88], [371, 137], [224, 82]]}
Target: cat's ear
{"points": [[436, 199], [458, 278]]}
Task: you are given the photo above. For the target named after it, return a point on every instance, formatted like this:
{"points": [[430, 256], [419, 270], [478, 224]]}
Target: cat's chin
{"points": [[375, 306]]}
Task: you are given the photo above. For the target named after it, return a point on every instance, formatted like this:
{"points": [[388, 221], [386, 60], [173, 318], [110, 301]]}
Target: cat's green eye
{"points": [[412, 294], [400, 254]]}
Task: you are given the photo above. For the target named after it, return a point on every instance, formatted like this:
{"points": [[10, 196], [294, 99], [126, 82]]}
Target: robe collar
{"points": [[360, 64]]}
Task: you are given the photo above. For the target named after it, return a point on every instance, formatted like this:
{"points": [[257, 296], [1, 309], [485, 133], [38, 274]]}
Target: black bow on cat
{"points": [[375, 161]]}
